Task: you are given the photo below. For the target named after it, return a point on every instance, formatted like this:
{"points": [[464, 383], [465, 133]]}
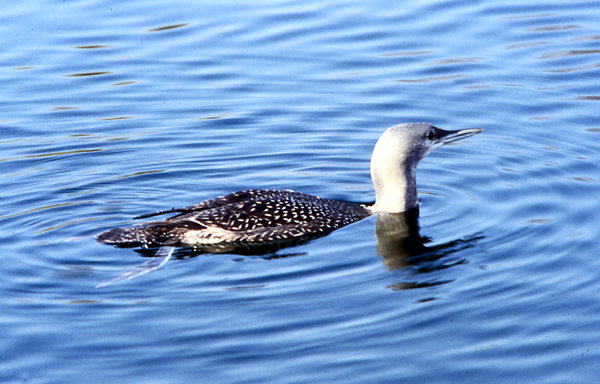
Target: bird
{"points": [[260, 217]]}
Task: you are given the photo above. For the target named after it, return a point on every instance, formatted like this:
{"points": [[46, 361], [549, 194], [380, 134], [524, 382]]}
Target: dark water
{"points": [[111, 110]]}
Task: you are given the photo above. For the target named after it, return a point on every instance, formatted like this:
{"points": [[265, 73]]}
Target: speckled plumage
{"points": [[242, 218], [259, 217]]}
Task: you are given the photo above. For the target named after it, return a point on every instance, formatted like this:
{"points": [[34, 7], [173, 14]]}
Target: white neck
{"points": [[394, 175], [395, 190]]}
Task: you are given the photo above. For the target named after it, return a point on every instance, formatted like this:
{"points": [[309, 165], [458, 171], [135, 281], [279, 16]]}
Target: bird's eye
{"points": [[431, 135]]}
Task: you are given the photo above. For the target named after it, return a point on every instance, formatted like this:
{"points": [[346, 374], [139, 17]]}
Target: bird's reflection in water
{"points": [[401, 246], [398, 242]]}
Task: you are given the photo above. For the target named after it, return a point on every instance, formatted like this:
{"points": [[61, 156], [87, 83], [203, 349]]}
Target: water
{"points": [[109, 111]]}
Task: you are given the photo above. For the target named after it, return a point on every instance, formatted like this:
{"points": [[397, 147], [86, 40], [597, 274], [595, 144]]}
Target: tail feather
{"points": [[140, 236], [121, 236]]}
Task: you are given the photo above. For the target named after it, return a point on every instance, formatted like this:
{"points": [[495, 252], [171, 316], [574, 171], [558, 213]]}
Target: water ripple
{"points": [[112, 111]]}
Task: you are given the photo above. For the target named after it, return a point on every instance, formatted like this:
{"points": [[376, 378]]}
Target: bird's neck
{"points": [[395, 188]]}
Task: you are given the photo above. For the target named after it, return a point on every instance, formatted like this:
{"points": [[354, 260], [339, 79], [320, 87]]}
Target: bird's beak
{"points": [[451, 136]]}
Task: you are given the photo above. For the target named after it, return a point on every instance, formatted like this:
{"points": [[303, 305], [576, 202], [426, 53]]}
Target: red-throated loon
{"points": [[256, 217]]}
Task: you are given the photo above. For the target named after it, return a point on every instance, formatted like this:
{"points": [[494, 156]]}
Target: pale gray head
{"points": [[395, 158]]}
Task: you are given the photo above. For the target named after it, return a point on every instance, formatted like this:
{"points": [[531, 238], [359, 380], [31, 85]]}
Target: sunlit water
{"points": [[109, 111]]}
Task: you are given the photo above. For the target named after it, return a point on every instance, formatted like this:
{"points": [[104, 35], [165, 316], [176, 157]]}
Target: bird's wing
{"points": [[236, 197]]}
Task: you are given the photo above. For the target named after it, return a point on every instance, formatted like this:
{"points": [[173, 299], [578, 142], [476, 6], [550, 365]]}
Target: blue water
{"points": [[112, 110]]}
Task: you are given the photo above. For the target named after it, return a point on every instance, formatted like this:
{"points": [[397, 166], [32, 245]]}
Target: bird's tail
{"points": [[140, 236]]}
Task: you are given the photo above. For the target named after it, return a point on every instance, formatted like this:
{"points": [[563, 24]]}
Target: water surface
{"points": [[109, 111]]}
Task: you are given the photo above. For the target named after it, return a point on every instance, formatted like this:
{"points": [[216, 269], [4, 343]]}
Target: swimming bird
{"points": [[258, 217]]}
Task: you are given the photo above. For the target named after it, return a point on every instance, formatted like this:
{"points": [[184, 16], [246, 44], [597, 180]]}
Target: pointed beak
{"points": [[446, 137]]}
